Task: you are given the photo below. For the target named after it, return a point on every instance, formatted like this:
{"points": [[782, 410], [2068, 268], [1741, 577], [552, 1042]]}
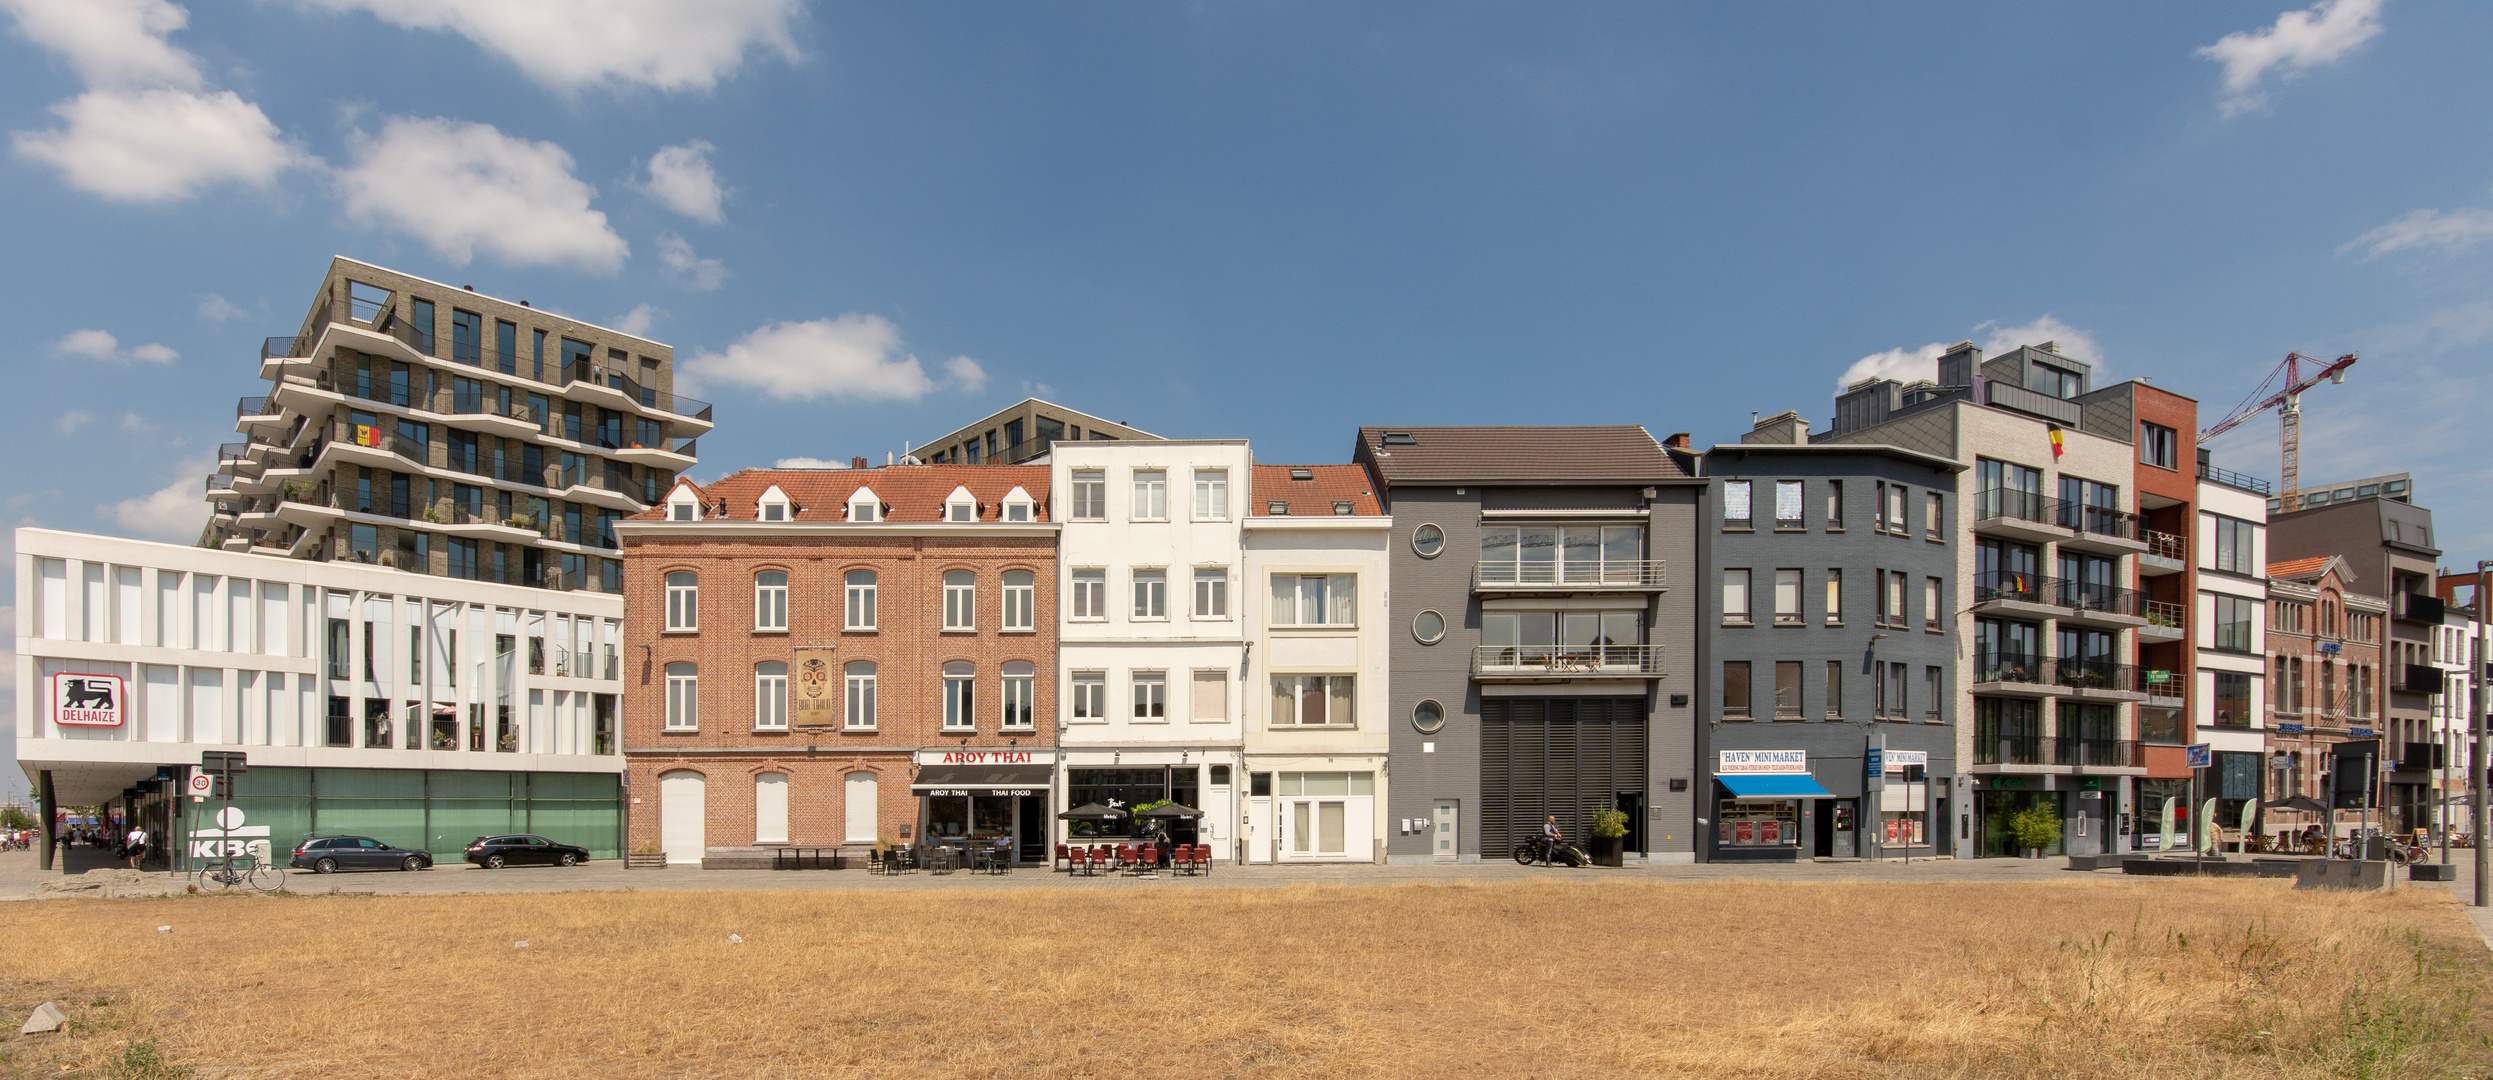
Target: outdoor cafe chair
{"points": [[1125, 856], [1062, 856], [1203, 858]]}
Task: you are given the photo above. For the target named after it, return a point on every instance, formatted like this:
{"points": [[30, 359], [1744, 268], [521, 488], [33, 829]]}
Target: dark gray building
{"points": [[1543, 643], [1824, 631]]}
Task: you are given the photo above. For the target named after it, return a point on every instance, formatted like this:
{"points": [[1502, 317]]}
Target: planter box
{"points": [[651, 861], [1609, 851], [2432, 872]]}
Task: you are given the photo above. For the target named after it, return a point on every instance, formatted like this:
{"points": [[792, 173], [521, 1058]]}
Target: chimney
{"points": [[1677, 441], [887, 457], [857, 463]]}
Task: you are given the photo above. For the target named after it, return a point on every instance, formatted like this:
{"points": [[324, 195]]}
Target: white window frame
{"points": [[1151, 697], [960, 601], [1020, 695], [770, 603], [865, 507], [1089, 495], [859, 598], [683, 696], [960, 697], [1322, 686], [1339, 598], [857, 695], [1151, 593], [1087, 703], [683, 602], [1737, 599], [1021, 602], [1215, 689], [961, 507], [1211, 494], [1090, 594], [1151, 495], [770, 697], [1211, 592]]}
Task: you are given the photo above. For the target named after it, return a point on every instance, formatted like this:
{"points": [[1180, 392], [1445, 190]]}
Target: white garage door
{"points": [[770, 808], [682, 806], [861, 808]]}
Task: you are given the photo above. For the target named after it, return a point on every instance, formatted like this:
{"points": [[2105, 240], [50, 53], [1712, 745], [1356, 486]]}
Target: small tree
{"points": [[2036, 827], [1610, 822], [16, 817]]}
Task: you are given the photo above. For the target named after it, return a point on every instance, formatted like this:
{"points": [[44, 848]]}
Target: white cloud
{"points": [[1902, 365], [1037, 389], [1906, 365], [850, 358], [463, 187], [2454, 230], [681, 179], [110, 42], [174, 513], [697, 273], [159, 145], [98, 345], [131, 421], [217, 309], [574, 44], [807, 463], [74, 419], [966, 374], [2296, 43], [638, 321]]}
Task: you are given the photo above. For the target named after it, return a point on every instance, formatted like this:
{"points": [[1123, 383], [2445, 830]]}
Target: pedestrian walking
{"points": [[135, 844]]}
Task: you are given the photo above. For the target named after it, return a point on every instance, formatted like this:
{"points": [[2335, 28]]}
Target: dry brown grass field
{"points": [[1741, 979]]}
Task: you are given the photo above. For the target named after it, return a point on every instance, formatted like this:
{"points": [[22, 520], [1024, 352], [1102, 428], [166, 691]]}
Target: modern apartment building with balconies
{"points": [[436, 430]]}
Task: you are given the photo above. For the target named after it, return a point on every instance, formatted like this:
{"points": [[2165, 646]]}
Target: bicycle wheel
{"points": [[268, 878]]}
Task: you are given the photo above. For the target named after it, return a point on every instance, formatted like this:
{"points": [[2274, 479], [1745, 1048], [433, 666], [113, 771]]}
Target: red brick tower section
{"points": [[2168, 500], [865, 556]]}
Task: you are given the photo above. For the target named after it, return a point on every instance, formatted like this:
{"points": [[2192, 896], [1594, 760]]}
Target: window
{"points": [[1934, 516], [960, 600], [1428, 627], [683, 600], [770, 600], [864, 506], [1151, 695], [1427, 541], [1211, 495], [860, 600], [683, 510], [770, 695], [1787, 598], [1545, 554], [1735, 596], [1834, 506], [1892, 695], [1211, 592], [2233, 699], [961, 507], [2058, 382], [1787, 690], [1933, 614], [1835, 596], [1313, 701], [1834, 689], [1016, 509], [774, 504], [1090, 594], [1020, 689], [2158, 445], [1090, 696], [1788, 512], [683, 697], [2005, 490], [1151, 594], [1021, 592], [1151, 495], [1736, 509], [1735, 689], [1932, 694], [959, 677], [1315, 600], [2233, 623], [1211, 695], [1892, 517], [860, 695], [1090, 495], [2233, 545]]}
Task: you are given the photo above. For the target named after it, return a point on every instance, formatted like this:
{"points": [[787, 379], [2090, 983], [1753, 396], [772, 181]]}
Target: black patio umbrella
{"points": [[1092, 812], [1172, 810], [2296, 802]]}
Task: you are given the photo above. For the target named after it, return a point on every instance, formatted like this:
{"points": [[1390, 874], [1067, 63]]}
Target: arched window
{"points": [[683, 601], [770, 696], [960, 600], [770, 600], [860, 695], [959, 677], [1020, 600], [861, 599], [1020, 685], [683, 696]]}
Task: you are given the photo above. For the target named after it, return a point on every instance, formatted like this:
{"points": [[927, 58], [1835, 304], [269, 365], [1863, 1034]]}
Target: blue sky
{"points": [[1267, 220]]}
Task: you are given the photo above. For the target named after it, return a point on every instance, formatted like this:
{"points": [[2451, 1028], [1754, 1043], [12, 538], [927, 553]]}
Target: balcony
{"points": [[2165, 622], [2090, 604], [1563, 575], [221, 487], [2100, 680], [2021, 595], [2418, 608], [2418, 679], [2234, 480], [2018, 515], [673, 454], [2016, 675], [2165, 554], [1544, 662], [2101, 529], [2049, 752]]}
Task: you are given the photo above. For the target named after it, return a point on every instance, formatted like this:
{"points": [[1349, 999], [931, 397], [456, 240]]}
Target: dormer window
{"points": [[1277, 507], [774, 506], [865, 506], [683, 504], [1341, 507], [1302, 474], [1019, 506], [961, 506]]}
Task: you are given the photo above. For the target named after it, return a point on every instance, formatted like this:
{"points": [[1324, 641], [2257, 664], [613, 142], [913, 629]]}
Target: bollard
{"points": [[61, 854]]}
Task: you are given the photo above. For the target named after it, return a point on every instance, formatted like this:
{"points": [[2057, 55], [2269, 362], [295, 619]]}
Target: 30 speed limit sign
{"points": [[202, 785]]}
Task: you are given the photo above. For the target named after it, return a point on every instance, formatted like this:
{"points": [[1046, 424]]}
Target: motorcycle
{"points": [[1531, 851]]}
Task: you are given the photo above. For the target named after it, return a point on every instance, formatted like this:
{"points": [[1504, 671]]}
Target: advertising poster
{"points": [[1744, 832], [813, 689]]}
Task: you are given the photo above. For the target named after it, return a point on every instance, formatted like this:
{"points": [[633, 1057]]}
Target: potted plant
{"points": [[646, 855], [2035, 828], [1610, 837], [435, 515]]}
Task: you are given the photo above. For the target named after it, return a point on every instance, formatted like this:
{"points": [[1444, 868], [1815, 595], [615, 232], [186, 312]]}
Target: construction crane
{"points": [[2288, 403]]}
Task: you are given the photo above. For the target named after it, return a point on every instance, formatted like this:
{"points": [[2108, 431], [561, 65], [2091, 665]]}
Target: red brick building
{"points": [[2324, 648], [802, 644]]}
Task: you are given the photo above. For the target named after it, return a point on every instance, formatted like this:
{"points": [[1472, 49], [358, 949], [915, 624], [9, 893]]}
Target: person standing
{"points": [[1550, 836], [135, 844]]}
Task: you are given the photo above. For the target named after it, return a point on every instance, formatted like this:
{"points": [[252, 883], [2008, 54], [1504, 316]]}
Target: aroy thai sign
{"points": [[986, 757]]}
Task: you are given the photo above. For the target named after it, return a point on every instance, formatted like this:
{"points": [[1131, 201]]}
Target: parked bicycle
{"points": [[1531, 851], [250, 872]]}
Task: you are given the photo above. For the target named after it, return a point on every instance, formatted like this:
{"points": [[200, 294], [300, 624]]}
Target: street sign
{"points": [[2290, 729], [2196, 756], [227, 762], [1873, 762], [202, 785]]}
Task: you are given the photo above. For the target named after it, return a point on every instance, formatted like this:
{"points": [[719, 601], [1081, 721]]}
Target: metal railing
{"points": [[2095, 675], [2167, 546], [2000, 585], [2013, 667], [379, 438], [1994, 504], [384, 319], [579, 370], [253, 406], [1594, 574], [2094, 596], [2168, 616], [2099, 520], [1567, 660], [2020, 748], [220, 482], [2252, 484]]}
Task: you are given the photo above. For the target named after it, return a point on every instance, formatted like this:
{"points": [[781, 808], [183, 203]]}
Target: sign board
{"points": [[977, 791], [81, 699], [1899, 760], [2331, 647], [224, 762], [2281, 763], [2361, 732], [2196, 756], [813, 689], [2155, 676], [990, 756], [1873, 762], [230, 838], [2290, 729], [202, 785], [1762, 763]]}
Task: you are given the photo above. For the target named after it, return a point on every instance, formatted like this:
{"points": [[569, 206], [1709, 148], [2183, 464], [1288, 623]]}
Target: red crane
{"points": [[2289, 406]]}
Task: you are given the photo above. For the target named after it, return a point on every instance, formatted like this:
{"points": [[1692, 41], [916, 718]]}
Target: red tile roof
{"points": [[1314, 496], [908, 492], [2300, 568]]}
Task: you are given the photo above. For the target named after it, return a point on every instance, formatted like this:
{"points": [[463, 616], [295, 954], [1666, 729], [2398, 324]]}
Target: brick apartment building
{"points": [[805, 645], [2324, 645]]}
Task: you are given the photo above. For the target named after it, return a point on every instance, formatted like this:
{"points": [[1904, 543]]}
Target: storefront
{"points": [[1314, 815], [986, 797], [1763, 808]]}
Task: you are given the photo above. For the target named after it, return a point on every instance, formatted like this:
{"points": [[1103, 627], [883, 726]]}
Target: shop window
{"points": [[1756, 823]]}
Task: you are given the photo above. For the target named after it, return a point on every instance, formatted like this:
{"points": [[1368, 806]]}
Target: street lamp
{"points": [[2475, 734]]}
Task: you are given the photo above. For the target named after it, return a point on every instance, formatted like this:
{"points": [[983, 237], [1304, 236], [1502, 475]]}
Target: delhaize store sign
{"points": [[1763, 762], [1002, 756]]}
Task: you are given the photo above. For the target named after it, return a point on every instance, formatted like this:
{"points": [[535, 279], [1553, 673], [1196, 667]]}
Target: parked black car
{"points": [[330, 854], [521, 849]]}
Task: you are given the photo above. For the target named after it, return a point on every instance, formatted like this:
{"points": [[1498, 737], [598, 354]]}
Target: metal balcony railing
{"points": [[1562, 573], [253, 406], [1998, 585], [1567, 660], [379, 438], [2033, 748], [2095, 675], [1997, 503], [2094, 596], [2098, 520], [2167, 546], [383, 318], [2012, 667], [2252, 484], [2168, 616]]}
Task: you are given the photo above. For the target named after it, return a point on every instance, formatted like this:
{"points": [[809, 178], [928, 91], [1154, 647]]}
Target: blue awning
{"points": [[1776, 786]]}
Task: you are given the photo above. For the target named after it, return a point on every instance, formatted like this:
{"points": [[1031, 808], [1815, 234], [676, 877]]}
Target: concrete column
{"points": [[47, 805]]}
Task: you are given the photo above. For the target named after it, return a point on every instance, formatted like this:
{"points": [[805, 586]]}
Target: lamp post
{"points": [[2475, 735]]}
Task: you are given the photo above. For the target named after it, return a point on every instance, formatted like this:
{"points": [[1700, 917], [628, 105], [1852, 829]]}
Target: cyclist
{"points": [[1550, 839]]}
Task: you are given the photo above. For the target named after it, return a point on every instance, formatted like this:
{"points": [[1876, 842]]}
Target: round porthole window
{"points": [[1428, 540], [1429, 627], [1428, 716]]}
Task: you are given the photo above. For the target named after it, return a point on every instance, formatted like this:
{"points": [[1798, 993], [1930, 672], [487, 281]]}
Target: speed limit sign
{"points": [[202, 785]]}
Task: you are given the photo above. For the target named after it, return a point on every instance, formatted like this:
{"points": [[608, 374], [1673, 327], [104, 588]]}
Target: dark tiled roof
{"points": [[908, 492], [1621, 453], [1314, 496]]}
